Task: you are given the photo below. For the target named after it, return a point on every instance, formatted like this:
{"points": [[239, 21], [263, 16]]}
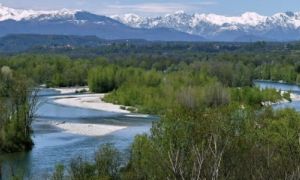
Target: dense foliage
{"points": [[213, 125], [223, 143], [17, 106]]}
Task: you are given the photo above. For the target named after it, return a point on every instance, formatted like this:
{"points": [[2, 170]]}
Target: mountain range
{"points": [[249, 26], [77, 22], [179, 26]]}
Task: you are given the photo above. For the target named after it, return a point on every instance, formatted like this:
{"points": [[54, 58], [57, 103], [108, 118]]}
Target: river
{"points": [[56, 146], [284, 87]]}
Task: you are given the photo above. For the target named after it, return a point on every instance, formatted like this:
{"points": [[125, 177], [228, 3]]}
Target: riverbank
{"points": [[89, 101], [71, 98], [71, 90]]}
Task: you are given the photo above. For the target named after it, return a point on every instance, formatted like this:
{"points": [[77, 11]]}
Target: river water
{"points": [[55, 146]]}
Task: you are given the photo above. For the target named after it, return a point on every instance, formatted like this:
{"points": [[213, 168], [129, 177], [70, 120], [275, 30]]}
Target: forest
{"points": [[213, 124]]}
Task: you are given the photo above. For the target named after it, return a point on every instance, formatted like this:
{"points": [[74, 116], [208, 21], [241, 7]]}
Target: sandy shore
{"points": [[70, 90], [138, 115], [295, 97], [89, 101], [88, 129]]}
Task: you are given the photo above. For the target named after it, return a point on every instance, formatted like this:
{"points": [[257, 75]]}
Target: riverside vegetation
{"points": [[17, 107], [212, 122]]}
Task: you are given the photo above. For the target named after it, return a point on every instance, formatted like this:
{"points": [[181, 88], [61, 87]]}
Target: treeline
{"points": [[154, 91], [235, 69], [88, 46], [53, 71]]}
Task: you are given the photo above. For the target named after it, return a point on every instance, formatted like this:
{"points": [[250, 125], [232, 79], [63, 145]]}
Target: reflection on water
{"points": [[53, 146]]}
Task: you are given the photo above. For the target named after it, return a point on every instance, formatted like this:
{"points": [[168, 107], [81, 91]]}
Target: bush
{"points": [[106, 165], [17, 107], [108, 162], [58, 173]]}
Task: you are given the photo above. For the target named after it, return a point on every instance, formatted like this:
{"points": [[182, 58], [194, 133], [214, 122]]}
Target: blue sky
{"points": [[159, 7]]}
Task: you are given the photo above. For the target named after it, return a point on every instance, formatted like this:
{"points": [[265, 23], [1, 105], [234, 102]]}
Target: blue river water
{"points": [[55, 146]]}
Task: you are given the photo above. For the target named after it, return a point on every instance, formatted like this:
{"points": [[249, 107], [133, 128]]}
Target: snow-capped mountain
{"points": [[7, 13], [178, 26], [78, 22], [280, 26], [132, 20]]}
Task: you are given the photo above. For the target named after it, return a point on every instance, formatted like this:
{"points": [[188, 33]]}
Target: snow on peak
{"points": [[248, 18], [179, 12], [131, 19], [7, 13], [287, 19], [180, 18], [212, 24], [252, 18]]}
